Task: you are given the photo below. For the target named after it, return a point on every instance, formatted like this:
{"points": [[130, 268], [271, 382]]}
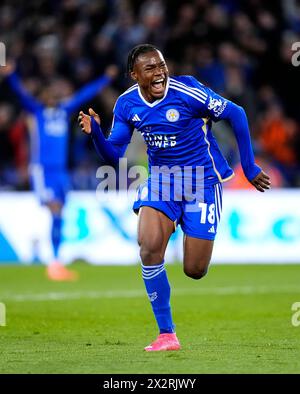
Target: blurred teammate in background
{"points": [[175, 118], [48, 144]]}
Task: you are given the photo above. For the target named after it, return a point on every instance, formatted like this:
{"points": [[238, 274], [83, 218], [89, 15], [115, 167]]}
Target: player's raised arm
{"points": [[112, 149], [91, 89], [26, 99]]}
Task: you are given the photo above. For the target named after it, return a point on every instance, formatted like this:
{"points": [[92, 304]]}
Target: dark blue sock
{"points": [[56, 233], [158, 289]]}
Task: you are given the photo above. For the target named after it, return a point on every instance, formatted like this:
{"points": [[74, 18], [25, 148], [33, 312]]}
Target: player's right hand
{"points": [[261, 182], [8, 69], [85, 120]]}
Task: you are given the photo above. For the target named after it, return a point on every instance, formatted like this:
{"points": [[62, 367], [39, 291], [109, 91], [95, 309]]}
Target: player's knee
{"points": [[150, 253], [195, 273]]}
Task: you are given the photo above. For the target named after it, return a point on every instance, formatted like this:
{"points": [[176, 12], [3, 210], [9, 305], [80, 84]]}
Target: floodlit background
{"points": [[241, 49]]}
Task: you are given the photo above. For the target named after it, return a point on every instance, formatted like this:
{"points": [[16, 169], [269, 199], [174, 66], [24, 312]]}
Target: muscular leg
{"points": [[197, 255], [154, 231]]}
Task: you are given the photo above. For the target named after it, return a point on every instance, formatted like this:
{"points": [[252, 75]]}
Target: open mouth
{"points": [[158, 86]]}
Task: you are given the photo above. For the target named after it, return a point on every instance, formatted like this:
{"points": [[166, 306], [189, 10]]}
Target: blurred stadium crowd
{"points": [[241, 49]]}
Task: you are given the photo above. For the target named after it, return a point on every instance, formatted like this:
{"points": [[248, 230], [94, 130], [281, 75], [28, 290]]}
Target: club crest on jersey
{"points": [[172, 115]]}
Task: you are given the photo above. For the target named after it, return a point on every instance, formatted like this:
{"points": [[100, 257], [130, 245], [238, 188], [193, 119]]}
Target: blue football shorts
{"points": [[198, 219], [48, 184]]}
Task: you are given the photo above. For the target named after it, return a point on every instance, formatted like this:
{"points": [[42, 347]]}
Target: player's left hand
{"points": [[261, 182], [84, 120]]}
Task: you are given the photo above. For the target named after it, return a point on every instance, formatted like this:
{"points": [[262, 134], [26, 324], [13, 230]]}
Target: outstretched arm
{"points": [[239, 123], [26, 99], [217, 107], [109, 150], [90, 90]]}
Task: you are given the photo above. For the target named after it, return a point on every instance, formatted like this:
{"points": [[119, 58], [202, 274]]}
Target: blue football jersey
{"points": [[49, 137], [50, 126], [176, 128]]}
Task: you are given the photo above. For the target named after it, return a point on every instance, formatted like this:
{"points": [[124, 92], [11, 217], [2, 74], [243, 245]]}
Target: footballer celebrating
{"points": [[174, 116], [48, 126]]}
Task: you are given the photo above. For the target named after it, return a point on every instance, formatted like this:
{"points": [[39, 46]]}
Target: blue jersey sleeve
{"points": [[237, 118], [203, 101], [121, 130], [206, 103], [86, 93], [111, 149], [28, 102]]}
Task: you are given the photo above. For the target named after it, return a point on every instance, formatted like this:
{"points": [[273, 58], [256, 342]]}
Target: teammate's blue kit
{"points": [[177, 131], [49, 138]]}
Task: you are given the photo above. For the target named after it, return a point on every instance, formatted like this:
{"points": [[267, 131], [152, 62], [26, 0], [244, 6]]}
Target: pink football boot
{"points": [[57, 272], [164, 342]]}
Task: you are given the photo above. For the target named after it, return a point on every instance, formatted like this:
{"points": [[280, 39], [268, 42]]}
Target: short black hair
{"points": [[135, 52]]}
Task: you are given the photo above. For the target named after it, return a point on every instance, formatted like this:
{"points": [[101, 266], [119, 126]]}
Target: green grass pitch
{"points": [[238, 319]]}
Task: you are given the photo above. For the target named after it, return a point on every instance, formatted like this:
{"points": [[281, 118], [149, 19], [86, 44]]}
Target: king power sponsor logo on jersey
{"points": [[159, 140]]}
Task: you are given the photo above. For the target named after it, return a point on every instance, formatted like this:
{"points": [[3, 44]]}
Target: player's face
{"points": [[151, 73], [48, 97]]}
